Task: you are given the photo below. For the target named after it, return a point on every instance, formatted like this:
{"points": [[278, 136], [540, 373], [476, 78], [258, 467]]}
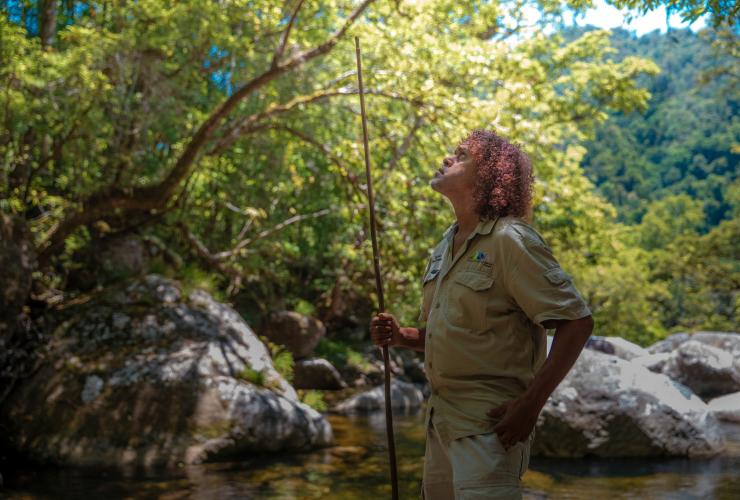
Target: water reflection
{"points": [[357, 468]]}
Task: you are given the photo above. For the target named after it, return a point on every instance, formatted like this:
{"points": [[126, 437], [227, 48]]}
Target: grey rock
{"points": [[610, 407], [709, 371], [404, 397], [415, 372], [123, 256], [109, 258], [316, 373], [93, 386], [120, 321], [653, 362], [625, 349], [727, 341], [297, 332], [617, 346], [185, 380], [599, 344], [669, 344], [726, 407], [154, 287]]}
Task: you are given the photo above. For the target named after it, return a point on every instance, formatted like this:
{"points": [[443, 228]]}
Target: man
{"points": [[491, 288]]}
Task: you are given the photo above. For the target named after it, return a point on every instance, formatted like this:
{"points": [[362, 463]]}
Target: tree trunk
{"points": [[47, 22]]}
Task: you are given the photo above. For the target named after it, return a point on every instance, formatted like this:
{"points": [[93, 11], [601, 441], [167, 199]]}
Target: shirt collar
{"points": [[484, 227]]}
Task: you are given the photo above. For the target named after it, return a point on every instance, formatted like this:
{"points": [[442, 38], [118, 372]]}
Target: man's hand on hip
{"points": [[519, 418]]}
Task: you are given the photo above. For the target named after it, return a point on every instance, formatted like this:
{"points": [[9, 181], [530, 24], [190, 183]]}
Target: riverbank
{"points": [[357, 468]]}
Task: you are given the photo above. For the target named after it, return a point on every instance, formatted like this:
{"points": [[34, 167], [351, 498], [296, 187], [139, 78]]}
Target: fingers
{"points": [[508, 440], [498, 411], [381, 329]]}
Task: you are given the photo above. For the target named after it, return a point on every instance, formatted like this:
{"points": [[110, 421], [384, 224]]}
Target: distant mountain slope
{"points": [[683, 143]]}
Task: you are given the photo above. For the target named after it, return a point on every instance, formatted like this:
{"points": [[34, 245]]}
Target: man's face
{"points": [[457, 176]]}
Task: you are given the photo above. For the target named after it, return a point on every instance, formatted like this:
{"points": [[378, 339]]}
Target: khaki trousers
{"points": [[473, 468]]}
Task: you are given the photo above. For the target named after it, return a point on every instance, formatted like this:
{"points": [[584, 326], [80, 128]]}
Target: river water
{"points": [[357, 468]]}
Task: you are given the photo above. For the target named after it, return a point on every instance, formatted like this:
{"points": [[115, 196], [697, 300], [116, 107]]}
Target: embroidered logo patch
{"points": [[479, 257]]}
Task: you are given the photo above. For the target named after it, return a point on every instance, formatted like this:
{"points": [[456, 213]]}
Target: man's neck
{"points": [[467, 220]]}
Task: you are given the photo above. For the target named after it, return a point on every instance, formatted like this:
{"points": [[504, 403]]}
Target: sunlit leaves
{"points": [[117, 100]]}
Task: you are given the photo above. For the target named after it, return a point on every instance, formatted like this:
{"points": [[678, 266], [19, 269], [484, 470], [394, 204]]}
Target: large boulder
{"points": [[653, 362], [726, 407], [316, 373], [669, 344], [617, 346], [610, 407], [143, 375], [727, 341], [109, 259], [17, 262], [597, 343], [625, 349], [709, 371], [404, 397], [299, 333]]}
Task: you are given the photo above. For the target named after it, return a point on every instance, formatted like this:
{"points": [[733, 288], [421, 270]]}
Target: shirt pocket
{"points": [[556, 276], [428, 286], [467, 302]]}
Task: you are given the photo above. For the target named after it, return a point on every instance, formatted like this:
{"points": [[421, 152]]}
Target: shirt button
{"points": [[436, 306]]}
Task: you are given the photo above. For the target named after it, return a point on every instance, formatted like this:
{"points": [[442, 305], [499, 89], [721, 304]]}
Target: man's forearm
{"points": [[570, 337], [412, 338]]}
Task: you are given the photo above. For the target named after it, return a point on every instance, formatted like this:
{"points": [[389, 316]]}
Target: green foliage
{"points": [[623, 301], [273, 213], [668, 219], [282, 358], [193, 277], [283, 363], [685, 143], [313, 398], [702, 275], [256, 377], [304, 307], [340, 353], [719, 11]]}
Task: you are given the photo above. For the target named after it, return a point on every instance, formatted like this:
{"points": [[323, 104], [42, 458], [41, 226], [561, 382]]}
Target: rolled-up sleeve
{"points": [[541, 288]]}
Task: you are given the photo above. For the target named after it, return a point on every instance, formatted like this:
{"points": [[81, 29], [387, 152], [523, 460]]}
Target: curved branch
{"points": [[267, 232], [251, 122], [343, 171], [157, 196], [284, 39]]}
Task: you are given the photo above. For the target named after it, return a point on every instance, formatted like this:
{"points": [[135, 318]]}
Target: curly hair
{"points": [[505, 179]]}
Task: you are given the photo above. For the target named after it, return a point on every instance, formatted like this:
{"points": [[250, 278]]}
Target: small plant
{"points": [[193, 277], [340, 354], [283, 362], [305, 307], [356, 359], [257, 377], [282, 358], [313, 398]]}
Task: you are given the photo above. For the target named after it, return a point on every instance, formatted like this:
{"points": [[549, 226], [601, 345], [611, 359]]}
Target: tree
{"points": [[219, 126]]}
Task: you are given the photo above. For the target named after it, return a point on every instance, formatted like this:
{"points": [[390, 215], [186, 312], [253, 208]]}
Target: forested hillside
{"points": [[686, 143]]}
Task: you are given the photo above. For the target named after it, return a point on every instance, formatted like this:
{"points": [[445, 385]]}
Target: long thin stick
{"points": [[378, 282]]}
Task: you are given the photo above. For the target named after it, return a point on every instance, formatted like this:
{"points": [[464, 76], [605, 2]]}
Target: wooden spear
{"points": [[378, 282]]}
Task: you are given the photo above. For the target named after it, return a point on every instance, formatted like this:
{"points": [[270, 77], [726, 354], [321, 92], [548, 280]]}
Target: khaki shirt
{"points": [[484, 309]]}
